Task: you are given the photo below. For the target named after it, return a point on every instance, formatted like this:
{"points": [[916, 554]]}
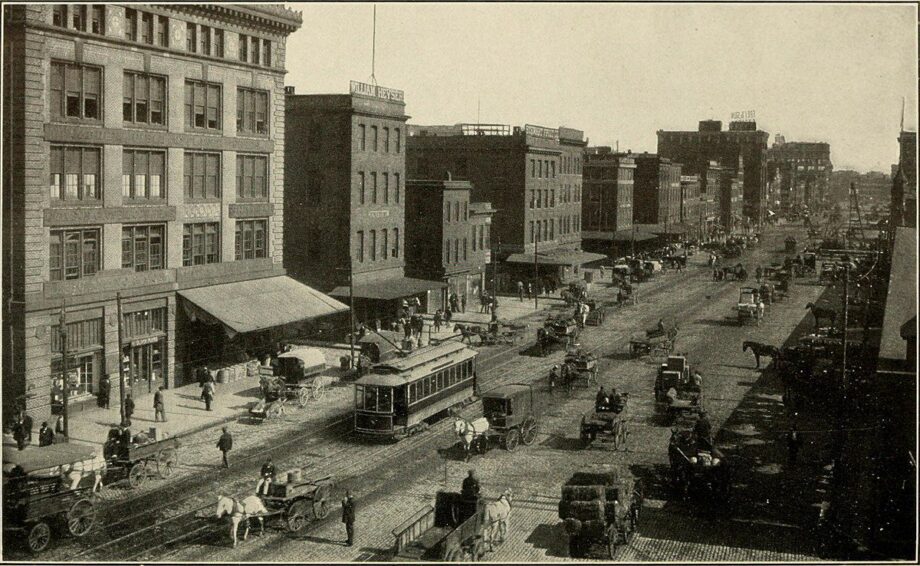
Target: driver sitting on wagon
{"points": [[616, 401], [602, 401]]}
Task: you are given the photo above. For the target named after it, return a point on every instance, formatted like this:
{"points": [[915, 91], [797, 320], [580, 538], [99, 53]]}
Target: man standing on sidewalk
{"points": [[105, 389], [520, 286], [45, 435], [129, 409], [348, 517], [159, 409], [207, 393], [225, 444]]}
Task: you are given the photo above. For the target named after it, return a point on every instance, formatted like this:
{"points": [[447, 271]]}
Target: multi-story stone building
{"points": [[532, 175], [904, 187], [731, 202], [804, 170], [607, 207], [344, 200], [690, 209], [447, 237], [656, 195], [711, 143], [143, 154], [710, 197]]}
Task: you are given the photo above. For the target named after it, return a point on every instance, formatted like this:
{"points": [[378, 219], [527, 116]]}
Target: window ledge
{"points": [[58, 203], [216, 200], [144, 127]]}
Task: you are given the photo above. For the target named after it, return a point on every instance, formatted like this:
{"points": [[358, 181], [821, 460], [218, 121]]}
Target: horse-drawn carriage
{"points": [[298, 376], [676, 393], [556, 331], [144, 457], [696, 467], [509, 417], [653, 341], [609, 420], [579, 364], [49, 488], [496, 333], [597, 313], [600, 508], [747, 307], [735, 272]]}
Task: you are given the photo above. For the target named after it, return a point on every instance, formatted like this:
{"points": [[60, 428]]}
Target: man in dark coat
{"points": [[225, 444], [348, 517], [129, 409], [45, 435], [159, 407], [470, 487], [19, 434], [105, 390], [267, 476], [703, 431]]}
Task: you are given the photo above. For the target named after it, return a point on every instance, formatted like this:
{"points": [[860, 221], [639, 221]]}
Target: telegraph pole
{"points": [[121, 363], [65, 378], [351, 290], [536, 291], [495, 279]]}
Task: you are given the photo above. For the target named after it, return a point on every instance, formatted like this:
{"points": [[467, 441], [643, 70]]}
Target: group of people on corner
{"points": [[542, 286]]}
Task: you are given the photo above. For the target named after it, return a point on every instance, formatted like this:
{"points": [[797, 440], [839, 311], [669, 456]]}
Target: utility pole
{"points": [[351, 293], [846, 300], [536, 291], [495, 280], [121, 363], [65, 377]]}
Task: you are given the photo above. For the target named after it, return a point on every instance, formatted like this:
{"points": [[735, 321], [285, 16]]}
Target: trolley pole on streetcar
{"points": [[121, 363], [65, 378]]}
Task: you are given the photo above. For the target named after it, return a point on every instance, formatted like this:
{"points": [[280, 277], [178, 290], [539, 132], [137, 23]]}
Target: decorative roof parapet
{"points": [[274, 16]]}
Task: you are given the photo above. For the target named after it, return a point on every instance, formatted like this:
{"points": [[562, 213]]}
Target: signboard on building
{"points": [[542, 132], [745, 116], [375, 91], [378, 213]]}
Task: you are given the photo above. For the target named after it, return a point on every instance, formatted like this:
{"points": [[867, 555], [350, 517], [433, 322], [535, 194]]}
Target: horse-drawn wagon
{"points": [[600, 508], [49, 488], [579, 364], [653, 341], [144, 457], [747, 307], [298, 502], [610, 419], [735, 272], [597, 313], [675, 391], [696, 468], [556, 331], [298, 377], [496, 333], [509, 418]]}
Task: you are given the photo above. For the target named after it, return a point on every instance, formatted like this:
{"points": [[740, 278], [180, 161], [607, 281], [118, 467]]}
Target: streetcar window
{"points": [[461, 371], [370, 398], [385, 400], [412, 394], [359, 396], [426, 387], [440, 380]]}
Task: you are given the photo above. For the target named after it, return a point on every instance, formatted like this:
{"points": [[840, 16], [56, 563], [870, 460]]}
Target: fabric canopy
{"points": [[34, 458], [257, 304], [679, 228], [388, 289], [557, 257], [619, 236]]}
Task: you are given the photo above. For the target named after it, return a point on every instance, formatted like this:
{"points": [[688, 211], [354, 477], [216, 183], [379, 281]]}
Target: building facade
{"points": [[533, 177], [904, 187], [731, 202], [344, 200], [143, 156], [447, 237], [804, 170], [691, 209], [656, 192], [607, 207], [711, 143], [711, 198]]}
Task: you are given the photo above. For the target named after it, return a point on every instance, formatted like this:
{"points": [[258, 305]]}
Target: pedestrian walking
{"points": [[463, 302], [27, 426], [45, 435], [793, 443], [437, 320], [520, 286], [159, 407], [19, 434], [207, 394], [348, 517], [225, 444], [105, 390], [129, 409], [529, 290]]}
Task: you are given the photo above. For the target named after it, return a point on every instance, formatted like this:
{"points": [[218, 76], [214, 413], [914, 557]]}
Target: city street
{"points": [[771, 510]]}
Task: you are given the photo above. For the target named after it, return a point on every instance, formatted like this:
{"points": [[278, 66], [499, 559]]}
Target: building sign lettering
{"points": [[378, 213], [376, 91], [746, 116], [542, 132]]}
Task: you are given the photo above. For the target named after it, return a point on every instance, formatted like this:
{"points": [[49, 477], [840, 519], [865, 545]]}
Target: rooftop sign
{"points": [[542, 132], [747, 115], [375, 91]]}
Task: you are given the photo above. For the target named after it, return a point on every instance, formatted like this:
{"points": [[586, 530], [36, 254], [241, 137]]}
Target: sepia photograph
{"points": [[507, 282]]}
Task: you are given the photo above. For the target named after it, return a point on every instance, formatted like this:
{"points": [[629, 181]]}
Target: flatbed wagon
{"points": [[142, 459], [296, 502], [451, 531]]}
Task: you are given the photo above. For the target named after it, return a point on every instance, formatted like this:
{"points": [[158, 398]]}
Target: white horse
{"points": [[495, 518], [239, 511], [470, 432]]}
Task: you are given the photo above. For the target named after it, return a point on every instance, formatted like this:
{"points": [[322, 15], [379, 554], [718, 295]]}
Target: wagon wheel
{"points": [[166, 462], [273, 410], [319, 390], [612, 541], [512, 437], [320, 509], [298, 515], [138, 474], [39, 536], [81, 517], [530, 432], [303, 395]]}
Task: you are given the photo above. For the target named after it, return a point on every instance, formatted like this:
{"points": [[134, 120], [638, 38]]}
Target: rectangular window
{"points": [[142, 247], [73, 253], [256, 52], [143, 174], [202, 105], [162, 31], [464, 249], [361, 187], [466, 211], [266, 53], [83, 335], [398, 140], [191, 37], [146, 28], [360, 242], [75, 173], [395, 242], [218, 42], [553, 168], [374, 188], [386, 188], [59, 15], [205, 40], [447, 252], [533, 168], [456, 212], [200, 243], [384, 249], [540, 168], [98, 19], [374, 137], [386, 139], [252, 176], [373, 245], [396, 187], [251, 238], [76, 91], [362, 133], [79, 18], [446, 212], [144, 99], [531, 232], [552, 197], [457, 250], [244, 48], [251, 111], [202, 175]]}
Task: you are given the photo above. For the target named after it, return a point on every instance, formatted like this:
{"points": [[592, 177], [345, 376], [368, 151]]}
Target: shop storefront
{"points": [[85, 362], [144, 349]]}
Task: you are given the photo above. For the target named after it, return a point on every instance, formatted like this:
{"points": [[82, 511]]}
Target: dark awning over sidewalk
{"points": [[258, 304], [388, 289], [560, 257]]}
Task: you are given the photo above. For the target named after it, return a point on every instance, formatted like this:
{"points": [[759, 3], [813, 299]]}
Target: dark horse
{"points": [[822, 313], [760, 350]]}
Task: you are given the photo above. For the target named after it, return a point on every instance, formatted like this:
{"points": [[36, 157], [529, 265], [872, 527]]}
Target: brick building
{"points": [[143, 154], [711, 197], [344, 199], [607, 207], [904, 187], [731, 199], [447, 237], [804, 170], [711, 143], [532, 175], [656, 195], [690, 206]]}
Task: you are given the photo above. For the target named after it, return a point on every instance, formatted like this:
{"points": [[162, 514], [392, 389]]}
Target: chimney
{"points": [[449, 178], [289, 90]]}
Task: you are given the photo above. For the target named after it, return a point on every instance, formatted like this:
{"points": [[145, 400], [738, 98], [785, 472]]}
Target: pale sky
{"points": [[816, 72]]}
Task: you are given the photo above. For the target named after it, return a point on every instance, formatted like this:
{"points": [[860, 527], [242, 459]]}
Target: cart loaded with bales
{"points": [[562, 331], [297, 378], [675, 392], [600, 508], [49, 490], [579, 363], [610, 420], [653, 341]]}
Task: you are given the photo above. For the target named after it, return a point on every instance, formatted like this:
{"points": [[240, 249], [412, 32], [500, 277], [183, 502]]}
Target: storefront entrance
{"points": [[147, 364]]}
